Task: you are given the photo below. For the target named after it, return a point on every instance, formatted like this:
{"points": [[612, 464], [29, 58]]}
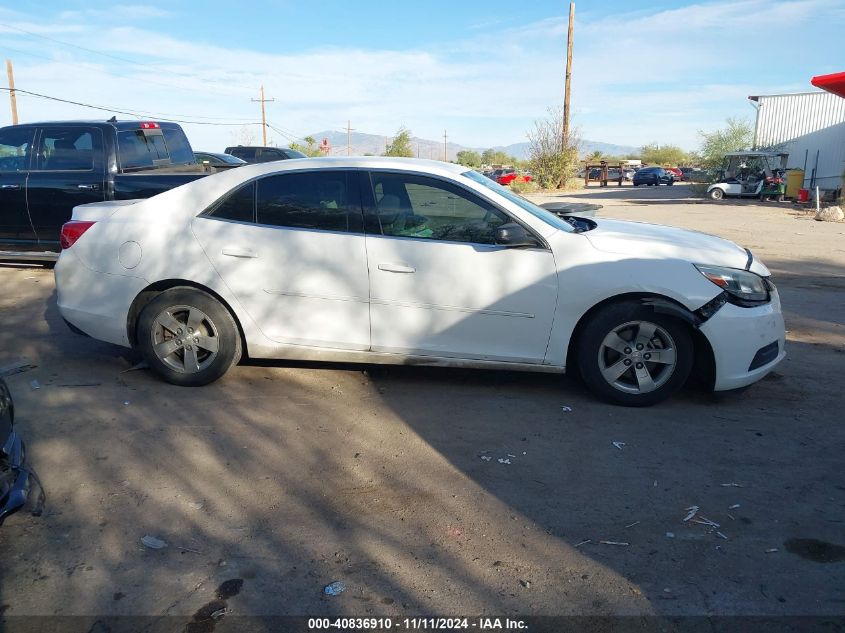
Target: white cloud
{"points": [[639, 76]]}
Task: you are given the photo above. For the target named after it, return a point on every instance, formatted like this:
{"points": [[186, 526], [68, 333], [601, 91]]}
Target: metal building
{"points": [[811, 127]]}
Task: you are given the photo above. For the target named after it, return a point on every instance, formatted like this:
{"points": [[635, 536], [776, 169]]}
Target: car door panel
{"points": [[16, 231], [301, 286], [458, 299], [64, 177]]}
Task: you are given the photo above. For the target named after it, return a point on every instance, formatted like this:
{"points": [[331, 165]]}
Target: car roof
{"points": [[354, 162]]}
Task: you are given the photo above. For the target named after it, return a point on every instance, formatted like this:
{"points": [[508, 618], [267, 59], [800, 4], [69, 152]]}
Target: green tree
{"points": [[309, 148], [595, 157], [468, 158], [401, 144], [669, 155], [738, 134], [553, 159]]}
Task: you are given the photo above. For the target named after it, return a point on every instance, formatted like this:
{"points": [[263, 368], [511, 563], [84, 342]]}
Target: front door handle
{"points": [[237, 251], [396, 268], [88, 187], [15, 187]]}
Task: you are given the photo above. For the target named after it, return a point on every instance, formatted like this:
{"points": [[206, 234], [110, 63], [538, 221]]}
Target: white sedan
{"points": [[380, 260]]}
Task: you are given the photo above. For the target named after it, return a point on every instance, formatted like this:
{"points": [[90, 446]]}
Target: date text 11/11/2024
{"points": [[416, 624]]}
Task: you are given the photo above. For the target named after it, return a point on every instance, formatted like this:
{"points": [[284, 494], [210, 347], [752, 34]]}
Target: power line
{"points": [[119, 111]]}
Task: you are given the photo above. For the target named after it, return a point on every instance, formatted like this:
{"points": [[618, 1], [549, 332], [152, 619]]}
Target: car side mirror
{"points": [[515, 235]]}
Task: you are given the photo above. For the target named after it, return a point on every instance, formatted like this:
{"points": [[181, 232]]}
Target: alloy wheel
{"points": [[185, 339], [637, 357]]}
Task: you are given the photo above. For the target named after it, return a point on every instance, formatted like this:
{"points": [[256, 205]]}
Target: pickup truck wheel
{"points": [[187, 337], [629, 355]]}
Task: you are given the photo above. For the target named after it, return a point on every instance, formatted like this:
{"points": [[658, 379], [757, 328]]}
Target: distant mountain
{"points": [[362, 143]]}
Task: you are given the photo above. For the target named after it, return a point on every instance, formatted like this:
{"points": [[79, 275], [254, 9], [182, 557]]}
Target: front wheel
{"points": [[716, 194], [629, 355], [187, 337]]}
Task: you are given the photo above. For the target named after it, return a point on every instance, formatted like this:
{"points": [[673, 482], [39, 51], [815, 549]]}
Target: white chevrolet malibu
{"points": [[378, 260]]}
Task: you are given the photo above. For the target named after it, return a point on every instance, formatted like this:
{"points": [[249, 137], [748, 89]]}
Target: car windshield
{"points": [[523, 203]]}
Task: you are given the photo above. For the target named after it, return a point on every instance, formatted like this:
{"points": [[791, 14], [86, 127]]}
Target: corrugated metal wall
{"points": [[805, 124]]}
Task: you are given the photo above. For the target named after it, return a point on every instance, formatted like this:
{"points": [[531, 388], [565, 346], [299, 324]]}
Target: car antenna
{"points": [[113, 119]]}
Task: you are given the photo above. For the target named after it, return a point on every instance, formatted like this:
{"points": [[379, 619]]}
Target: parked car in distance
{"points": [[258, 154], [653, 176], [343, 259], [675, 171], [686, 173], [507, 175], [218, 160], [48, 168], [14, 476]]}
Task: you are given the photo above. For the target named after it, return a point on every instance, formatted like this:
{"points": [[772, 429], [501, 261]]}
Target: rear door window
{"points": [[321, 200], [15, 148], [65, 148]]}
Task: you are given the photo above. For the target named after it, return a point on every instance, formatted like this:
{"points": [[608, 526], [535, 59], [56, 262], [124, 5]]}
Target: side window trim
{"points": [[371, 205]]}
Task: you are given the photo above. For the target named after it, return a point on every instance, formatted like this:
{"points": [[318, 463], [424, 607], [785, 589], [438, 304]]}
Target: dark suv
{"points": [[653, 176], [255, 154]]}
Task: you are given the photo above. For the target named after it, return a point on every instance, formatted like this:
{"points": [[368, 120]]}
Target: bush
{"points": [[553, 160], [518, 186]]}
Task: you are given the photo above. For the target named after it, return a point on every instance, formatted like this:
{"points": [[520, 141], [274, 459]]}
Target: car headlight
{"points": [[742, 286]]}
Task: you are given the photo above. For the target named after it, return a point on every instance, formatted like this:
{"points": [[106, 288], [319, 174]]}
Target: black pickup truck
{"points": [[46, 169]]}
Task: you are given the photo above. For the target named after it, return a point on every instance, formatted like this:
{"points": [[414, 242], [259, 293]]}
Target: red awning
{"points": [[834, 83]]}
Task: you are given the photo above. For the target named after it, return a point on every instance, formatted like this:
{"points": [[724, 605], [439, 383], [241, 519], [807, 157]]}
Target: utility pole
{"points": [[567, 87], [10, 73], [445, 150], [262, 100], [566, 94], [349, 130]]}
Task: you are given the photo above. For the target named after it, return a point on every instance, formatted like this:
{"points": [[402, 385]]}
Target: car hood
{"points": [[657, 241]]}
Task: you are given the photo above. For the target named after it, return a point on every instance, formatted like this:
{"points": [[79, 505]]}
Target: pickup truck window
{"points": [[15, 146], [178, 146], [66, 149], [140, 151]]}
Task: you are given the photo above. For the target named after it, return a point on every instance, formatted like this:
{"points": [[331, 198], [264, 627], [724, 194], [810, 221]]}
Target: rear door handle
{"points": [[14, 187], [237, 251], [89, 187], [396, 268]]}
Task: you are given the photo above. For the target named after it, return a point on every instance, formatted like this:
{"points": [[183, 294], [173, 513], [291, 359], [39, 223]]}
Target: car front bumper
{"points": [[743, 342], [16, 478]]}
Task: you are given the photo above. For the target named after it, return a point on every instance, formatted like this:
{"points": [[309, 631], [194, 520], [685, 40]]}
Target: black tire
{"points": [[627, 390], [670, 183], [211, 325], [716, 194]]}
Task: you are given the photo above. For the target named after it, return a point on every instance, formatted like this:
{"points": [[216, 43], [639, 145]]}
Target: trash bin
{"points": [[794, 182], [803, 195]]}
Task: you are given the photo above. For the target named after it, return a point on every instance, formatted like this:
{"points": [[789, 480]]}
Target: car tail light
{"points": [[72, 231]]}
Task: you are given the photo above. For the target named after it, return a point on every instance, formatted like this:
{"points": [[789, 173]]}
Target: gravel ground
{"points": [[288, 476]]}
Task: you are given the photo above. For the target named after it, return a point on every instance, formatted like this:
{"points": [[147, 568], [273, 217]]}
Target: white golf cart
{"points": [[745, 173]]}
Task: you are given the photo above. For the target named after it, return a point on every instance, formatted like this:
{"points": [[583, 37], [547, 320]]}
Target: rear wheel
{"points": [[716, 194], [187, 337], [630, 355]]}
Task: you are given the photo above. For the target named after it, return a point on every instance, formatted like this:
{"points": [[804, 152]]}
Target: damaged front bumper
{"points": [[15, 477]]}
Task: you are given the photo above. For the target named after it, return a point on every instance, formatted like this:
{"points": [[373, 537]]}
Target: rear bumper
{"points": [[18, 478], [742, 340], [95, 303]]}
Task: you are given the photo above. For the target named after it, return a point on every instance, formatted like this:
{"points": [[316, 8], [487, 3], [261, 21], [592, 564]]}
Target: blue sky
{"points": [[654, 72]]}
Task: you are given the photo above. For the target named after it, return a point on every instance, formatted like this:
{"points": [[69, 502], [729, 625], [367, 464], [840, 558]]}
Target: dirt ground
{"points": [[289, 476]]}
